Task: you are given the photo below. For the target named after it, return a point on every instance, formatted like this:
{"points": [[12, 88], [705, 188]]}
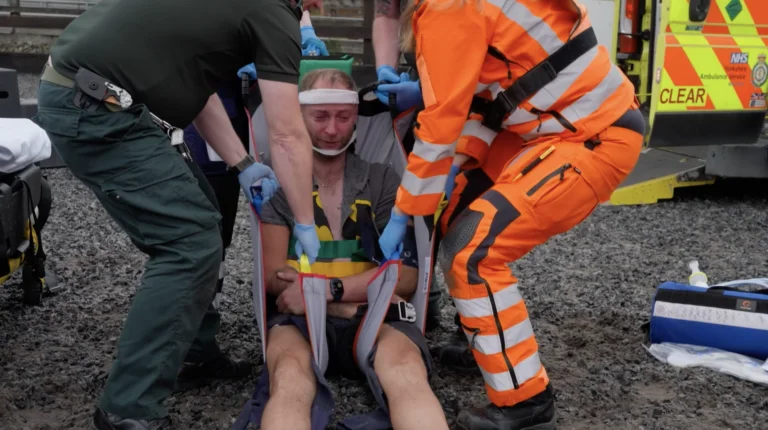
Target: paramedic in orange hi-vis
{"points": [[535, 69]]}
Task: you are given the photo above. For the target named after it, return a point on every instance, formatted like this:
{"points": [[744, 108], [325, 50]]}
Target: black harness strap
{"points": [[532, 81]]}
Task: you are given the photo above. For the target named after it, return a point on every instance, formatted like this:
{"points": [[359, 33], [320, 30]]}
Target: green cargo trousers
{"points": [[169, 211]]}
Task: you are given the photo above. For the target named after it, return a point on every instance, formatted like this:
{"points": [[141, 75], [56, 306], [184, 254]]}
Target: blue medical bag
{"points": [[721, 316]]}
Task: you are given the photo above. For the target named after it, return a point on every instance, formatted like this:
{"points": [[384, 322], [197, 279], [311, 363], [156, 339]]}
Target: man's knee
{"points": [[399, 360], [289, 362]]}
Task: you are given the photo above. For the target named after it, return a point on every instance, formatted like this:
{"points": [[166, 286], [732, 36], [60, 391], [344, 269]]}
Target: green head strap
{"points": [[341, 62]]}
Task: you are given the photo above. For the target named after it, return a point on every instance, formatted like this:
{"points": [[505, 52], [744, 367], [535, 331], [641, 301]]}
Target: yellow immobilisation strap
{"points": [[304, 264]]}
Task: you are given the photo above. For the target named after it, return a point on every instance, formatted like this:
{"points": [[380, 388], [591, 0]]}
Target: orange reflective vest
{"points": [[468, 52]]}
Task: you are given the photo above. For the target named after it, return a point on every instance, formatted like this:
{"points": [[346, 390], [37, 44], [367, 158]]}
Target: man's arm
{"points": [[273, 31], [289, 146], [386, 33], [215, 127]]}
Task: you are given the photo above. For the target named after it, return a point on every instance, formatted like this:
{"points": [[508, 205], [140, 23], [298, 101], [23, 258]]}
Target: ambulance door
{"points": [[710, 73]]}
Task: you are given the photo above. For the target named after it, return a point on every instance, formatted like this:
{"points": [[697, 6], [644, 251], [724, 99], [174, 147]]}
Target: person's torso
{"points": [[590, 94], [354, 251], [169, 55]]}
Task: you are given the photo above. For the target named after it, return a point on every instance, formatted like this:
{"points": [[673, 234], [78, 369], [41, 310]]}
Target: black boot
{"points": [[457, 358], [536, 413], [106, 421], [433, 307], [194, 375]]}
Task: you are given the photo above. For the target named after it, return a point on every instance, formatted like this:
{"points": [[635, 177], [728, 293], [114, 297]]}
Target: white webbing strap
{"points": [[763, 282], [258, 285], [381, 288], [425, 244], [316, 308]]}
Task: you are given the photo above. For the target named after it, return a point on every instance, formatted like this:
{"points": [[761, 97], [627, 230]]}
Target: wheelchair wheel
{"points": [[32, 286]]}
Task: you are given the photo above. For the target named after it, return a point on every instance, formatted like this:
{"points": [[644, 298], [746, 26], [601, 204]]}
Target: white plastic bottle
{"points": [[697, 277]]}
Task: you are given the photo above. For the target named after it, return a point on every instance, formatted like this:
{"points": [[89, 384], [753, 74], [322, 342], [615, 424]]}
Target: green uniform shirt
{"points": [[172, 55]]}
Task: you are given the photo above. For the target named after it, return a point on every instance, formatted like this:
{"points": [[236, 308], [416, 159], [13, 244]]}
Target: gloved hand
{"points": [[307, 241], [259, 184], [249, 69], [407, 91], [387, 74], [311, 44], [391, 240], [451, 182]]}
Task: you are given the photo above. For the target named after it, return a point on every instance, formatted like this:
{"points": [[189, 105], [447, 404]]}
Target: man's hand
{"points": [[391, 240], [408, 92], [307, 241], [259, 184], [291, 300]]}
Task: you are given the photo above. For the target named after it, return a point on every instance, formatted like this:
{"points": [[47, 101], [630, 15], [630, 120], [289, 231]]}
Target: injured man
{"points": [[352, 200]]}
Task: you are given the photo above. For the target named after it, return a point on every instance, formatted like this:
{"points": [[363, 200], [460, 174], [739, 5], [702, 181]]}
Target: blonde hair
{"points": [[332, 76], [407, 38]]}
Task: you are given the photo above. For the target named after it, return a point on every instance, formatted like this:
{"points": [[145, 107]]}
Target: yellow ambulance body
{"points": [[699, 69]]}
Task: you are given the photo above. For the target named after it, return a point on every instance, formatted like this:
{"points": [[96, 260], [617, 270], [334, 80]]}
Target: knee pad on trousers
{"points": [[458, 237]]}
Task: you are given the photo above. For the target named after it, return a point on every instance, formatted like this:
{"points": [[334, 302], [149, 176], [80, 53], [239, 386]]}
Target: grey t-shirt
{"points": [[374, 182]]}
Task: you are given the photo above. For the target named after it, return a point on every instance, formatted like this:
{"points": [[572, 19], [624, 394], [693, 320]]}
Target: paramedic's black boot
{"points": [[105, 421], [536, 413], [433, 308], [193, 375], [457, 358]]}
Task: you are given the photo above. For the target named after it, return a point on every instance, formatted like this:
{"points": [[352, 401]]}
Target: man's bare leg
{"points": [[403, 376], [292, 382]]}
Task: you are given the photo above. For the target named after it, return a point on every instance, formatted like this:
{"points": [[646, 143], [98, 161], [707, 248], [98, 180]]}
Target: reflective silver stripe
{"points": [[583, 107], [476, 129], [380, 291], [524, 371], [533, 25], [315, 305], [481, 307], [432, 152], [519, 116], [547, 96], [417, 186], [489, 344]]}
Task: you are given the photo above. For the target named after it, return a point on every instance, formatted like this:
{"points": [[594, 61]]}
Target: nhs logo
{"points": [[739, 57]]}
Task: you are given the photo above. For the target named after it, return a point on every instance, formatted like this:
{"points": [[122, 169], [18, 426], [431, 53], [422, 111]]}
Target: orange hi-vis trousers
{"points": [[522, 209], [470, 184]]}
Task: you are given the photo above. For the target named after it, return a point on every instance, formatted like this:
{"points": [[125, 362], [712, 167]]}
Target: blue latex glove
{"points": [[407, 91], [451, 182], [311, 44], [307, 241], [259, 184], [386, 74], [249, 69], [391, 239]]}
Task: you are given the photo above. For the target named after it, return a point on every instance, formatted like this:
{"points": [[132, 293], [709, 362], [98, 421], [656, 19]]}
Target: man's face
{"points": [[330, 126]]}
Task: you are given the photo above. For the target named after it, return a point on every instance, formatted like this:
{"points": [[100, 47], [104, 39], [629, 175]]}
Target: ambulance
{"points": [[699, 69]]}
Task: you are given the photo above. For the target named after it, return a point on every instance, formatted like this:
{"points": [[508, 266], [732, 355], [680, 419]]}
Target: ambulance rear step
{"points": [[659, 171]]}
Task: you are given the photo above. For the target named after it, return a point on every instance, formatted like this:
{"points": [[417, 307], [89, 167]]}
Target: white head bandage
{"points": [[324, 96]]}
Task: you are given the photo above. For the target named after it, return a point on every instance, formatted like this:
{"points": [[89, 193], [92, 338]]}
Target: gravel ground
{"points": [[588, 292]]}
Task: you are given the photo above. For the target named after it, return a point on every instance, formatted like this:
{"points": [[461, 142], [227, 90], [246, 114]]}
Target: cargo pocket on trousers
{"points": [[562, 199], [159, 200], [58, 121]]}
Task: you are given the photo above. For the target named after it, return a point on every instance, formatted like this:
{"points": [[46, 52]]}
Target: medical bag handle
{"points": [[731, 285], [256, 192]]}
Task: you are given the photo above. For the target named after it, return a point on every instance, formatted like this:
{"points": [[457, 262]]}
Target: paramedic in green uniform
{"points": [[171, 57]]}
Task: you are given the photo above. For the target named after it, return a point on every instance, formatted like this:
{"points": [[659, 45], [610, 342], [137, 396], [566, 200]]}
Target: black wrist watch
{"points": [[243, 164], [337, 289]]}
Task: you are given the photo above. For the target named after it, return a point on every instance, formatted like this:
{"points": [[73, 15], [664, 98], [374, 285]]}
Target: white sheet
{"points": [[22, 142]]}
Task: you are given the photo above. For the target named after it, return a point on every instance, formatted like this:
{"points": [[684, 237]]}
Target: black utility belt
{"points": [[401, 311], [92, 89]]}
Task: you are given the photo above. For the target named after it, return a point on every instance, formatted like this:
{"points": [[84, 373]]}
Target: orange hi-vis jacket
{"points": [[479, 48]]}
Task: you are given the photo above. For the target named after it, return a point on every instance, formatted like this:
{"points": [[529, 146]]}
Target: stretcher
{"points": [[375, 144], [25, 204]]}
